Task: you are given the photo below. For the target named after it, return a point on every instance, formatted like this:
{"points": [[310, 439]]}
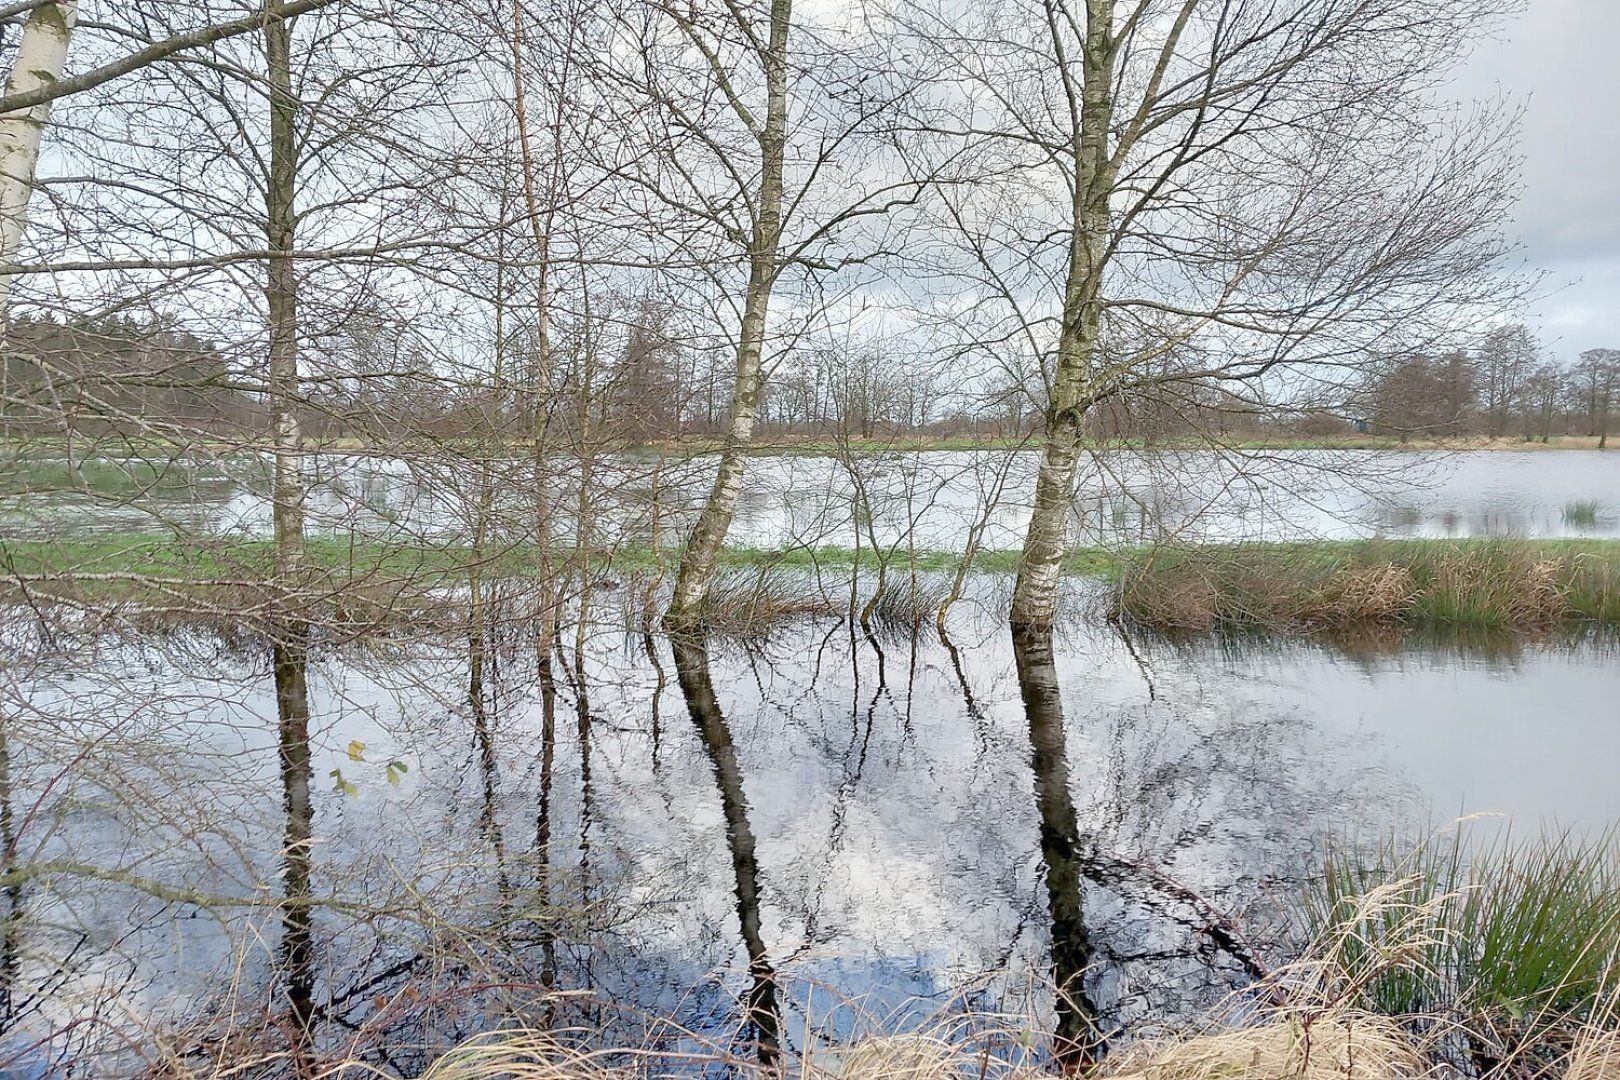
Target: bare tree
{"points": [[1543, 390], [1597, 381], [1263, 190], [38, 65], [1507, 358], [751, 138]]}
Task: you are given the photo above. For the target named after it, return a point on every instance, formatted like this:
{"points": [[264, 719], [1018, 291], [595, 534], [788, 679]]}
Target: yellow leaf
{"points": [[356, 748]]}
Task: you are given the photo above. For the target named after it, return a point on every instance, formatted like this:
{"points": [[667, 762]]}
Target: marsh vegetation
{"points": [[594, 540]]}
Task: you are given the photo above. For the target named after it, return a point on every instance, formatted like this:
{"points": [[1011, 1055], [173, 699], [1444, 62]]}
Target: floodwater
{"points": [[929, 500], [771, 842]]}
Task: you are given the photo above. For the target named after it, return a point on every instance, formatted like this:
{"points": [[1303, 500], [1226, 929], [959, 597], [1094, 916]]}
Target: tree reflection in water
{"points": [[1076, 1039], [888, 820], [761, 1011], [291, 661]]}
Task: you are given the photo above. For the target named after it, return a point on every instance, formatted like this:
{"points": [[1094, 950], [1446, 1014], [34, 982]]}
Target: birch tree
{"points": [[752, 140], [1233, 193], [764, 256], [37, 79], [290, 645], [41, 57]]}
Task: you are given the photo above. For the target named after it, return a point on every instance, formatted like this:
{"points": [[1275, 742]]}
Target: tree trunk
{"points": [[11, 937], [703, 546], [762, 1011], [1073, 388], [40, 59], [291, 647], [540, 222], [1076, 1038], [281, 296]]}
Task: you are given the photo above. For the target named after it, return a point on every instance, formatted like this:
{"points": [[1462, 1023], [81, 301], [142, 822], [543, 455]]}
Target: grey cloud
{"points": [[1561, 59]]}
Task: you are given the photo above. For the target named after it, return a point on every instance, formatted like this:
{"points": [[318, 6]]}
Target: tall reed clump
{"points": [[1513, 944], [1582, 513], [1501, 585], [902, 604], [751, 603]]}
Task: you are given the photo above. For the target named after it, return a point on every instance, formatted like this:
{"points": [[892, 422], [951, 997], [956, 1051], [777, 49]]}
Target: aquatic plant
{"points": [[749, 603], [906, 602], [1582, 513], [1514, 943]]}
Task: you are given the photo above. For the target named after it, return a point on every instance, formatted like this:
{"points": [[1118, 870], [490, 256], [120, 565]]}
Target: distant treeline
{"points": [[1507, 387], [96, 375]]}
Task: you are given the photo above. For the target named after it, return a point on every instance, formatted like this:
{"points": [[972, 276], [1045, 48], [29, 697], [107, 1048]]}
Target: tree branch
{"points": [[154, 52]]}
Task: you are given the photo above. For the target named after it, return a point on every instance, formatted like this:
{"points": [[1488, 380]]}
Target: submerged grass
{"points": [[1485, 585], [1582, 513], [749, 602]]}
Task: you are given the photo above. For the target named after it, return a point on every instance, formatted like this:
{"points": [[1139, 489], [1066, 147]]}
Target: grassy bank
{"points": [[1488, 585], [1321, 586], [1513, 940], [232, 557]]}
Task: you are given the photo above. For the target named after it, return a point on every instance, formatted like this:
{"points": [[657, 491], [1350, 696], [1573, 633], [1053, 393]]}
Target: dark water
{"points": [[772, 842]]}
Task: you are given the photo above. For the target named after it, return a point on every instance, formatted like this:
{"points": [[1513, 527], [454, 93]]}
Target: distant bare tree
{"points": [[1507, 357], [1597, 382], [1543, 390]]}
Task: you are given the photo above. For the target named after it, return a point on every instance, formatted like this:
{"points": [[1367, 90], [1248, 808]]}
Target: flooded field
{"points": [[771, 842], [929, 501]]}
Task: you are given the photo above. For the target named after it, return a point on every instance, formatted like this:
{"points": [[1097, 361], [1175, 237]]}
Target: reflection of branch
{"points": [[1130, 646], [175, 894], [1217, 924]]}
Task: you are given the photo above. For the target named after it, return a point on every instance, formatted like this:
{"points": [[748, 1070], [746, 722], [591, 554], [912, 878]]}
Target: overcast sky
{"points": [[1561, 59]]}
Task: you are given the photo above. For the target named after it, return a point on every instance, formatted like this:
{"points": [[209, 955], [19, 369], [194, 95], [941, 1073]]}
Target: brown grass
{"points": [[1596, 1057], [1341, 1047], [752, 603], [1346, 1046], [1502, 585]]}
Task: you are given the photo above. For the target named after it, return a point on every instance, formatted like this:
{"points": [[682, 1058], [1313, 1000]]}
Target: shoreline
{"points": [[109, 447], [1290, 589]]}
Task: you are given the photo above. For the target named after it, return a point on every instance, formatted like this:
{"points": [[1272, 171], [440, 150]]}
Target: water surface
{"points": [[728, 835], [928, 500]]}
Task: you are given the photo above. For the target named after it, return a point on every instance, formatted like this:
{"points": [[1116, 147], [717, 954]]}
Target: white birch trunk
{"points": [[40, 59], [1073, 385], [702, 552]]}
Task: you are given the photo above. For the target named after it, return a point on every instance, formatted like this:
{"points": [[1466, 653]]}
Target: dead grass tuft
{"points": [[1596, 1056], [523, 1054], [1360, 595], [1497, 585], [1343, 1047]]}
